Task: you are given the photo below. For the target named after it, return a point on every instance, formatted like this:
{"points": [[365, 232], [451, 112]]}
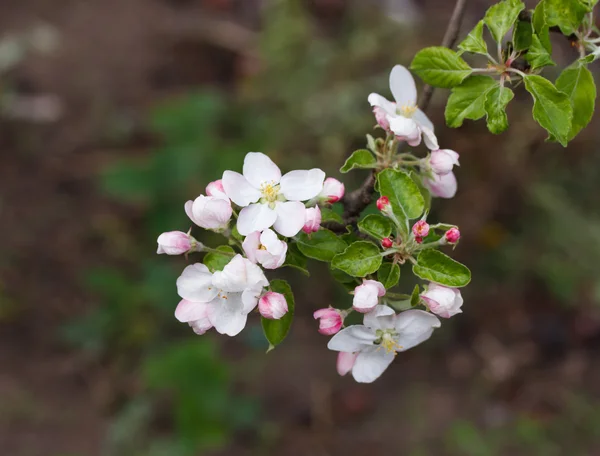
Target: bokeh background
{"points": [[113, 113]]}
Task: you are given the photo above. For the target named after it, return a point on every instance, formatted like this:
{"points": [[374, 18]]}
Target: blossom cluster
{"points": [[262, 212]]}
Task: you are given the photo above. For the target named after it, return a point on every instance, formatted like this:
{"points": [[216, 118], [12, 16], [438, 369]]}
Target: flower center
{"points": [[407, 110], [270, 192], [387, 340]]}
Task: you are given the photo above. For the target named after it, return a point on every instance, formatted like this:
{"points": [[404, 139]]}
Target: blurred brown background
{"points": [[113, 113]]}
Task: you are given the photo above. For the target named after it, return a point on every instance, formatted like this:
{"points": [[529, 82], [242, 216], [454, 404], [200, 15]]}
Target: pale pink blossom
{"points": [[272, 305], [443, 301], [312, 220], [215, 188], [209, 212], [442, 186], [421, 229], [265, 248], [366, 296], [333, 190], [177, 243], [442, 161], [330, 320]]}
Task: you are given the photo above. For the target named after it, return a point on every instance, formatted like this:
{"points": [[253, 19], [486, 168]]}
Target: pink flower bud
{"points": [[366, 296], [386, 243], [272, 305], [216, 189], [383, 203], [312, 219], [418, 239], [381, 118], [177, 243], [333, 190], [452, 235], [209, 212], [442, 161], [442, 185], [443, 301], [330, 320], [345, 362], [420, 229]]}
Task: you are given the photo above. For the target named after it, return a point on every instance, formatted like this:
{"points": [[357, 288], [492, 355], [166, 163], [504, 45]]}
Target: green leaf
{"points": [[361, 158], [322, 245], [537, 55], [295, 259], [276, 330], [343, 278], [389, 275], [566, 14], [541, 28], [440, 67], [437, 267], [376, 225], [522, 34], [404, 195], [359, 259], [328, 215], [578, 83], [467, 101], [474, 41], [415, 297], [425, 193], [215, 261], [501, 17], [495, 107]]}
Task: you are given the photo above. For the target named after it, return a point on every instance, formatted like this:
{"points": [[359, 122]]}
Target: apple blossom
{"points": [[269, 199], [366, 296], [404, 118], [272, 305], [345, 362], [420, 229], [442, 301], [333, 190], [452, 235], [383, 203], [442, 186], [209, 212], [386, 243], [312, 221], [382, 334], [177, 243], [215, 188], [265, 248], [442, 161], [224, 297], [330, 320]]}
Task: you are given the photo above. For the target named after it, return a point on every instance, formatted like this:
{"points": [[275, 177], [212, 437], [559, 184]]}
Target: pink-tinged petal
{"points": [[381, 317], [403, 87], [259, 169], [210, 212], [269, 260], [251, 244], [174, 243], [370, 364], [301, 184], [239, 190], [366, 296], [442, 161], [421, 118], [189, 209], [443, 186], [190, 311], [378, 101], [406, 129], [333, 190], [256, 217], [272, 305], [352, 339], [227, 315], [430, 139], [330, 320], [345, 362], [414, 327], [200, 326], [269, 239], [238, 275], [443, 301], [216, 188], [290, 218], [195, 284], [312, 220]]}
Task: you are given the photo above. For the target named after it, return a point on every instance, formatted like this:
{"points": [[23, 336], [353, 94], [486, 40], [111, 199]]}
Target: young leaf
{"points": [[404, 195], [578, 83], [389, 275], [215, 261], [540, 26], [295, 259], [566, 14], [437, 267], [474, 41], [415, 297], [376, 225], [440, 67], [322, 245], [522, 34], [361, 158], [359, 259], [551, 107], [537, 55], [495, 107], [501, 17], [467, 101], [276, 330]]}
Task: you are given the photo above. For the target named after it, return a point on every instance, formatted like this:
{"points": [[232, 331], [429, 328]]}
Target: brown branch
{"points": [[356, 201]]}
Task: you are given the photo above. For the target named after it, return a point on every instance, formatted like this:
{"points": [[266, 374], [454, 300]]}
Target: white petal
{"points": [[239, 274], [414, 327], [367, 295], [250, 299], [227, 315], [195, 284], [269, 239], [302, 184], [238, 189], [370, 364], [430, 139], [406, 128], [259, 168], [381, 102], [421, 118], [256, 217], [403, 86], [442, 186], [251, 244], [191, 311], [352, 339], [376, 318], [200, 326], [269, 260], [290, 218]]}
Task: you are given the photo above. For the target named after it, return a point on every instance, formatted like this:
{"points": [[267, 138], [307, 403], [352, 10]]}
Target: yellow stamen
{"points": [[407, 110]]}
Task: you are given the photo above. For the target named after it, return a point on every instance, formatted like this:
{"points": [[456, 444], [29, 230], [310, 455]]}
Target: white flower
{"points": [[442, 161], [366, 296], [442, 186], [267, 198], [223, 299], [405, 119], [209, 212], [443, 301], [382, 335], [265, 248]]}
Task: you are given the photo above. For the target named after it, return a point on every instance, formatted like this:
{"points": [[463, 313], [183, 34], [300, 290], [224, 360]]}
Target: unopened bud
{"points": [[312, 220], [177, 243], [272, 305], [420, 229], [330, 320], [452, 235], [383, 203], [386, 243], [333, 190]]}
